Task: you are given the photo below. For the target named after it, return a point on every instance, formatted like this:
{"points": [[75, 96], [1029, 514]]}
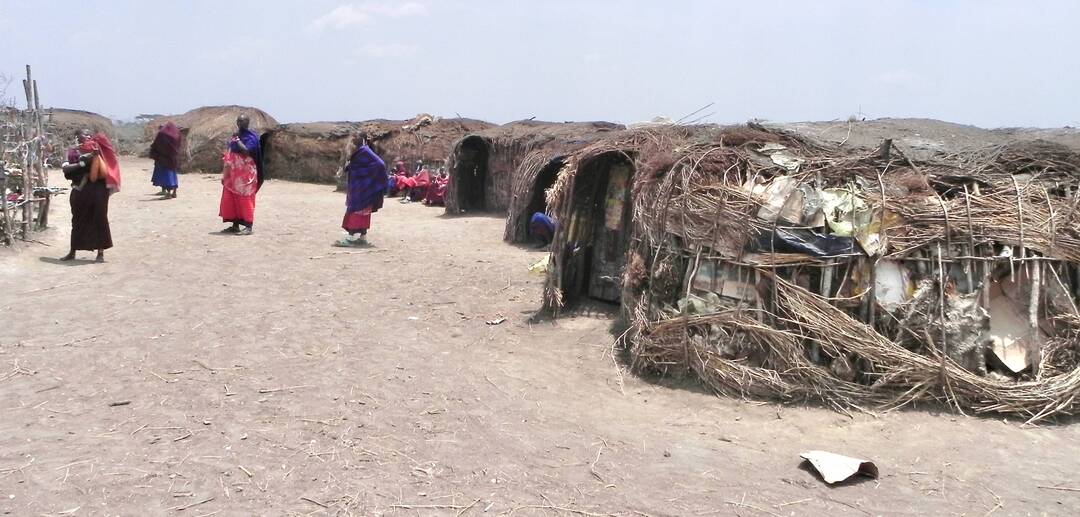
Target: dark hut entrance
{"points": [[472, 171], [599, 231], [530, 194], [544, 180]]}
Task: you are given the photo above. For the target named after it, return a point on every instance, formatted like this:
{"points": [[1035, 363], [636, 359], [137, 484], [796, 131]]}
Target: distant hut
{"points": [[309, 152], [63, 124], [206, 130], [486, 172], [312, 151]]}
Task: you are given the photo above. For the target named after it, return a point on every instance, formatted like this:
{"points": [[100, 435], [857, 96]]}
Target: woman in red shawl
{"points": [[401, 179], [90, 196], [436, 194], [418, 188]]}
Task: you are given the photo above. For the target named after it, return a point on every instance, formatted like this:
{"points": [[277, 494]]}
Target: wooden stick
{"points": [[287, 388], [312, 501], [182, 508], [1063, 488]]}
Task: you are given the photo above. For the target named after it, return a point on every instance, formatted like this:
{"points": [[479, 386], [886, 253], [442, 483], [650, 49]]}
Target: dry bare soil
{"points": [[199, 374]]}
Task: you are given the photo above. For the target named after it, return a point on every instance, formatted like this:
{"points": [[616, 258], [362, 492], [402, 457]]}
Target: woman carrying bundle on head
{"points": [[165, 151], [366, 184], [95, 176]]}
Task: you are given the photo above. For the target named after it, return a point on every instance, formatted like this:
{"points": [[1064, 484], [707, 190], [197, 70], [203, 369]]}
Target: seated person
{"points": [[542, 227], [436, 194], [419, 186], [400, 179]]}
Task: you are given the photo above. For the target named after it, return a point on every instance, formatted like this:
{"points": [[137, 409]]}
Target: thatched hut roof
{"points": [[205, 132], [312, 151], [423, 138], [772, 265], [506, 148], [922, 138]]}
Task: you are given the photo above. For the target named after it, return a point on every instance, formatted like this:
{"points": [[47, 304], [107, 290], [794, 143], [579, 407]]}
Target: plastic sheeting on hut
{"points": [[775, 267], [494, 169]]}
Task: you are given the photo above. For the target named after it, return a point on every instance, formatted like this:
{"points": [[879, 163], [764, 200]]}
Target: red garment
{"points": [[357, 222], [239, 174], [420, 186], [436, 194], [405, 183], [235, 208], [101, 145], [423, 180]]}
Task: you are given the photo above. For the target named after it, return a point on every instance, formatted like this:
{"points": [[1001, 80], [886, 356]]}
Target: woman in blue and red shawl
{"points": [[367, 184], [241, 179], [165, 151]]}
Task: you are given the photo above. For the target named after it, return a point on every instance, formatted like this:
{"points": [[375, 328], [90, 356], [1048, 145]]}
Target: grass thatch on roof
{"points": [[774, 266]]}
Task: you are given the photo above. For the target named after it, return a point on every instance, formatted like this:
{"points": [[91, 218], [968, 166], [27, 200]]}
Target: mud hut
{"points": [[484, 166], [313, 151], [62, 125], [310, 152], [206, 130], [774, 266]]}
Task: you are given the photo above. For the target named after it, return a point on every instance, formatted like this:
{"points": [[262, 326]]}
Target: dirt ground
{"points": [[199, 374]]}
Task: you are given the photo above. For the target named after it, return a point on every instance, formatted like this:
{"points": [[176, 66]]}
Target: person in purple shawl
{"points": [[366, 185], [241, 179]]}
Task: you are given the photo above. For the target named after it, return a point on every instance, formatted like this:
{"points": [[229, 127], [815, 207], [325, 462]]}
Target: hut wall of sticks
{"points": [[24, 180], [772, 266], [485, 166]]}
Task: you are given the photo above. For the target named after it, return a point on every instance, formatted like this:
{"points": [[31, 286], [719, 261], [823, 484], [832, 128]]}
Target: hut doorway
{"points": [[472, 171], [600, 228], [544, 180], [536, 174]]}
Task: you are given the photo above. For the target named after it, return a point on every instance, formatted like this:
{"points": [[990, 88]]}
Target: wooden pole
{"points": [[27, 133], [6, 235]]}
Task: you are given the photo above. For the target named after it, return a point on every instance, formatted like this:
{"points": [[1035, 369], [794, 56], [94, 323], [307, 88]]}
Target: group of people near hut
{"points": [[419, 185], [94, 170], [368, 182]]}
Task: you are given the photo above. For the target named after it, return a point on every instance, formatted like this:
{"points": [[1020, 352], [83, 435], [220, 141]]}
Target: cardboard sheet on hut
{"points": [[205, 132]]}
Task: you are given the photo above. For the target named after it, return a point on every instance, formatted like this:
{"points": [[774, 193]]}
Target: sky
{"points": [[989, 63]]}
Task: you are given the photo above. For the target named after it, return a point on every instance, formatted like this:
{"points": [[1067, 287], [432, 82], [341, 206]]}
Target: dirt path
{"points": [[275, 375]]}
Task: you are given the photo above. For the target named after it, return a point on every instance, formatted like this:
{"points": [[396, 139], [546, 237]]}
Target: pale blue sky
{"points": [[991, 63]]}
